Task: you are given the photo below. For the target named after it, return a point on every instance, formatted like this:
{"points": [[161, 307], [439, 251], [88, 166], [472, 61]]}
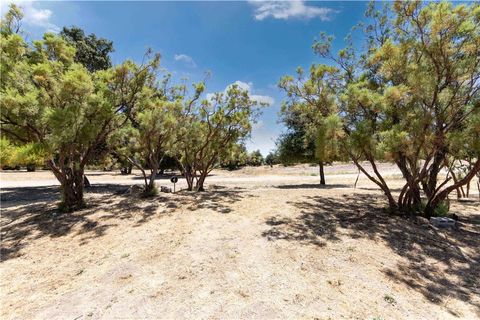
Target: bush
{"points": [[442, 209], [6, 153], [29, 155], [271, 159], [255, 159], [152, 192]]}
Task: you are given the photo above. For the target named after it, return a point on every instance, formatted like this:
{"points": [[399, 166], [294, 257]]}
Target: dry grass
{"points": [[258, 244]]}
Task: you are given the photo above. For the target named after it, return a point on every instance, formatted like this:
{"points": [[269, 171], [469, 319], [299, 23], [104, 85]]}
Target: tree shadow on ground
{"points": [[432, 261], [103, 173], [165, 176], [375, 189], [312, 186], [216, 198], [31, 213]]}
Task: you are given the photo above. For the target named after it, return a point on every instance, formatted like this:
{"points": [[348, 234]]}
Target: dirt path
{"points": [[252, 247]]}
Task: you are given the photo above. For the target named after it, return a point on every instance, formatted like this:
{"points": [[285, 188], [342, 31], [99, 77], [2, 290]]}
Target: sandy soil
{"points": [[261, 243]]}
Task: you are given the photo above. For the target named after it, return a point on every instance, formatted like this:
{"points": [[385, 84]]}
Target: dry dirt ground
{"points": [[261, 243]]}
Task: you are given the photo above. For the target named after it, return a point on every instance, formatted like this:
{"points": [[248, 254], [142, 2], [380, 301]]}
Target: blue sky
{"points": [[252, 43]]}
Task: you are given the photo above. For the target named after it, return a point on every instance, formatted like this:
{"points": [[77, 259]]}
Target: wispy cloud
{"points": [[33, 16], [247, 86], [296, 9], [186, 59]]}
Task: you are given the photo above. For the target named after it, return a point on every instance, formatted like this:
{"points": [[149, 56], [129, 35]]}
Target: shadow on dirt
{"points": [[435, 262], [312, 186], [164, 176], [31, 213], [216, 198]]}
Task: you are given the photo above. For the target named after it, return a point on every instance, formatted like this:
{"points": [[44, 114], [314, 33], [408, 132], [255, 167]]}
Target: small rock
{"points": [[165, 189], [442, 222]]}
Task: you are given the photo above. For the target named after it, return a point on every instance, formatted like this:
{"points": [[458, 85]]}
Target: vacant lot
{"points": [[260, 243]]}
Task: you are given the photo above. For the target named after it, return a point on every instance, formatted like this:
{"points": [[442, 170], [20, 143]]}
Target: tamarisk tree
{"points": [[210, 129], [57, 104], [413, 98], [145, 141], [311, 106]]}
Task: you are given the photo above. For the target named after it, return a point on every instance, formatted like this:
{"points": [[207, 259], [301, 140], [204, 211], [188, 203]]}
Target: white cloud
{"points": [[186, 59], [33, 16], [263, 99], [296, 9], [247, 86], [263, 138]]}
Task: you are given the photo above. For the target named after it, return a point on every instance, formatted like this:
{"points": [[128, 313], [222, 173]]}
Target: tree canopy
{"points": [[311, 114], [411, 97], [91, 52], [211, 129]]}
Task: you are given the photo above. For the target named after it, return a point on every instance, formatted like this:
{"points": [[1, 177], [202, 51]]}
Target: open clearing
{"points": [[260, 243]]}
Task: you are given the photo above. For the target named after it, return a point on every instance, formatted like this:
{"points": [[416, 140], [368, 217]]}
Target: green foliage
{"points": [[169, 162], [149, 135], [291, 148], [91, 52], [7, 151], [31, 154], [272, 159], [255, 158], [149, 192], [442, 209], [211, 129], [412, 97], [56, 109], [314, 128], [236, 157], [11, 22]]}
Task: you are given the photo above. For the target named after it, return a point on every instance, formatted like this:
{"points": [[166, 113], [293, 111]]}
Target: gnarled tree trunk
{"points": [[439, 196], [200, 182], [189, 177], [71, 180], [72, 195]]}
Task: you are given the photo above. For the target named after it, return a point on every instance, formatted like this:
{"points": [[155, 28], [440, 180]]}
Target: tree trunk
{"points": [[322, 174], [72, 191], [149, 189], [430, 183], [380, 182], [440, 196], [460, 192], [151, 182], [200, 182], [409, 197], [189, 178]]}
